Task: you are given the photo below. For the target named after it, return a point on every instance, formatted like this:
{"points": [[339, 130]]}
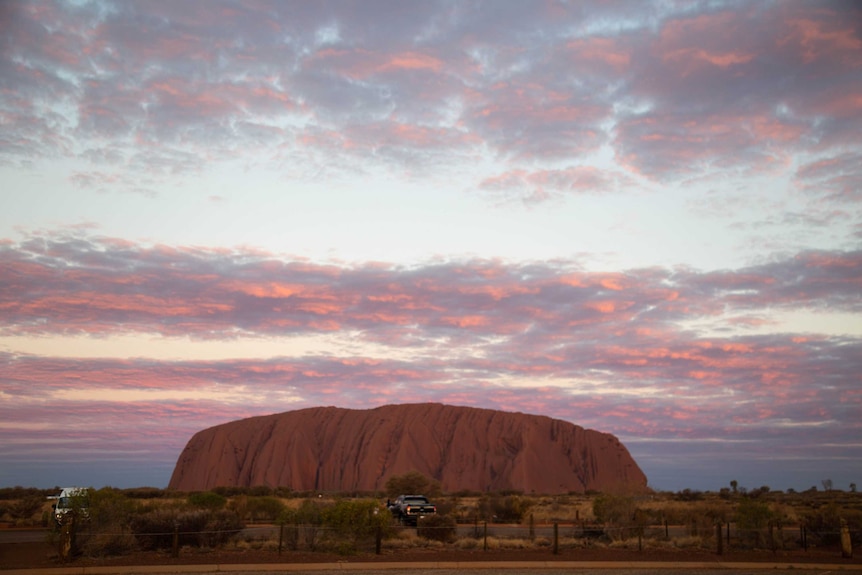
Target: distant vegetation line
{"points": [[120, 521]]}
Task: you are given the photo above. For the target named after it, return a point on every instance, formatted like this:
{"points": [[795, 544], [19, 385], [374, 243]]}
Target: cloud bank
{"points": [[658, 356], [145, 91]]}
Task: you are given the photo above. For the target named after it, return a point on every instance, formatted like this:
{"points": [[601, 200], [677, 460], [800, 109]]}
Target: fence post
{"points": [[846, 543], [804, 535], [378, 540], [556, 538], [175, 546], [485, 544], [280, 537], [719, 540], [772, 536], [666, 532], [66, 548], [532, 528]]}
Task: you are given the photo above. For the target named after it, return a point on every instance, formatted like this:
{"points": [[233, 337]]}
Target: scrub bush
{"points": [[358, 519], [208, 500], [25, 508], [303, 525], [197, 527], [263, 508], [437, 528], [504, 508], [752, 518], [614, 510], [413, 483]]}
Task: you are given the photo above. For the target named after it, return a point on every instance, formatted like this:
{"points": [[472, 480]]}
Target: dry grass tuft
{"points": [[407, 539], [689, 542]]}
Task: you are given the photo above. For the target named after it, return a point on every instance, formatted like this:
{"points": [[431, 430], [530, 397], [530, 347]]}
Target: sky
{"points": [[643, 218]]}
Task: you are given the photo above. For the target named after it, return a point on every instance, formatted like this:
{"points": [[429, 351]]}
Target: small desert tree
{"points": [[111, 514], [356, 519], [305, 524], [616, 512], [412, 483], [752, 517]]}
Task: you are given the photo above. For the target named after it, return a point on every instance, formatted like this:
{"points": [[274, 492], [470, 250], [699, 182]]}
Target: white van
{"points": [[71, 499]]}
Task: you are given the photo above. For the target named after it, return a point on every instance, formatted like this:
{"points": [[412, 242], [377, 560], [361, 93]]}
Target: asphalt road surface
{"points": [[633, 570], [22, 535]]}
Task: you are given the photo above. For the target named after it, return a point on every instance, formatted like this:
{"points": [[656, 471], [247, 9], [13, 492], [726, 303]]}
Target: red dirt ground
{"points": [[44, 555]]}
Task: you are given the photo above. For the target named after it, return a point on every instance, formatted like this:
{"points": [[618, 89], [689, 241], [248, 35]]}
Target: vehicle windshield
{"points": [[68, 502]]}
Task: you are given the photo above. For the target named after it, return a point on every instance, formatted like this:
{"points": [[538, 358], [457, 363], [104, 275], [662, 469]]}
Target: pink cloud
{"points": [[413, 61], [831, 38], [270, 298], [672, 145], [361, 64], [600, 52], [541, 185], [703, 91]]}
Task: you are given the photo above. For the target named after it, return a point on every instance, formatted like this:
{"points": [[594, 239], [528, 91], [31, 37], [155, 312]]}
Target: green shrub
{"points": [[303, 525], [110, 509], [824, 522], [309, 512], [357, 519], [208, 500], [263, 508], [752, 517]]}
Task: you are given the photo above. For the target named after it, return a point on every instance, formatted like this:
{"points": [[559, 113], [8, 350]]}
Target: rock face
{"points": [[464, 448]]}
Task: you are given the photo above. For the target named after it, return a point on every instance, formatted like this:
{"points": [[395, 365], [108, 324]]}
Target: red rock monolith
{"points": [[464, 448]]}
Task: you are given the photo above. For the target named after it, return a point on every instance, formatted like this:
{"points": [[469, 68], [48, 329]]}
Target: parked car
{"points": [[408, 509], [71, 501]]}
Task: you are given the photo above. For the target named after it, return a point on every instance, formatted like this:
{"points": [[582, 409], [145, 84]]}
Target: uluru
{"points": [[464, 448]]}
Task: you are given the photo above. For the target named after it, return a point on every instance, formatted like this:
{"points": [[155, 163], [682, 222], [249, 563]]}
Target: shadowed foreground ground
{"points": [[42, 555]]}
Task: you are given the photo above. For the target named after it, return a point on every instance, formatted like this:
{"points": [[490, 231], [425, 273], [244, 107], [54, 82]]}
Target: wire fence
{"points": [[720, 538]]}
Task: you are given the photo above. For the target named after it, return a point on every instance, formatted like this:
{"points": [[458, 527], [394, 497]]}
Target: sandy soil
{"points": [[42, 554]]}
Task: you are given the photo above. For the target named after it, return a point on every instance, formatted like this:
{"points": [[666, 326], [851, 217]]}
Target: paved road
{"points": [[541, 571], [264, 531], [477, 569], [437, 568], [22, 535]]}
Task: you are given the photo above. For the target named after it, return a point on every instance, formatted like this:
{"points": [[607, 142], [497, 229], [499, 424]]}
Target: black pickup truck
{"points": [[407, 509]]}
